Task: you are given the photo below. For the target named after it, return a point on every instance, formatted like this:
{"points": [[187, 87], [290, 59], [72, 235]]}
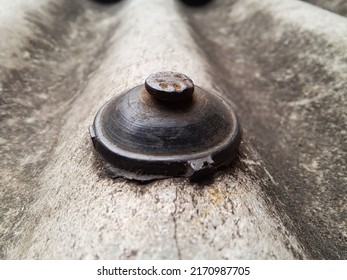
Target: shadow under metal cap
{"points": [[166, 128]]}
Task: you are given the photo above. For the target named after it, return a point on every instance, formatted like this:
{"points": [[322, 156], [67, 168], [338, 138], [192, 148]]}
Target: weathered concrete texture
{"points": [[76, 213], [45, 68], [286, 201], [285, 68], [335, 6], [13, 26]]}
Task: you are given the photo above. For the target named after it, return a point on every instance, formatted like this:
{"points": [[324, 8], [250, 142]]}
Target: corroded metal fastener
{"points": [[166, 128], [169, 86]]}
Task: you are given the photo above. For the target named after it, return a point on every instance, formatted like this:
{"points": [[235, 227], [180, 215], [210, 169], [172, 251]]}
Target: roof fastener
{"points": [[166, 128]]}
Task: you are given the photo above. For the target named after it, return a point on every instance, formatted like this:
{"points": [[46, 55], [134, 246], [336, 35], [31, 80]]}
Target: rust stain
{"points": [[215, 196]]}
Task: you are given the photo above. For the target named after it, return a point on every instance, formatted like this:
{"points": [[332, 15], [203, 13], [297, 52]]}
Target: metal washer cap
{"points": [[146, 136]]}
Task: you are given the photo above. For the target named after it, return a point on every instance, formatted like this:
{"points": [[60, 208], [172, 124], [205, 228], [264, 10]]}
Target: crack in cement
{"points": [[173, 214]]}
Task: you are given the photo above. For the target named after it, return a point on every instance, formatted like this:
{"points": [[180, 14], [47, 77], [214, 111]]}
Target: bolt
{"points": [[169, 86], [142, 138]]}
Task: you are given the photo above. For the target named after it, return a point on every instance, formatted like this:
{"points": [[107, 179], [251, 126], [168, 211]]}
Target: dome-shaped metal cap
{"points": [[166, 128]]}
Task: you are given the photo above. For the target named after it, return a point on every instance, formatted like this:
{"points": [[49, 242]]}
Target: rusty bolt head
{"points": [[169, 86]]}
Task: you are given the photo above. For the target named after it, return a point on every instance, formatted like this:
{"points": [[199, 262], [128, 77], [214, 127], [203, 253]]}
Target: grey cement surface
{"points": [[335, 6], [288, 79], [280, 64]]}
